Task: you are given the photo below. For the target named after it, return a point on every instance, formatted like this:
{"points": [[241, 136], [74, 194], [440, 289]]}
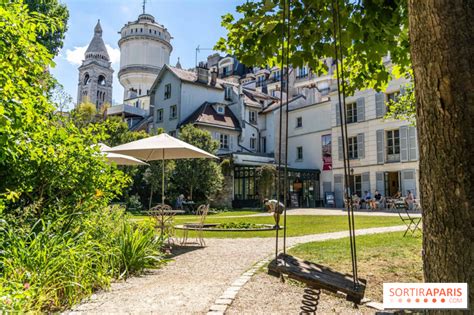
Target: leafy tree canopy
{"points": [[53, 38], [371, 29], [198, 178]]}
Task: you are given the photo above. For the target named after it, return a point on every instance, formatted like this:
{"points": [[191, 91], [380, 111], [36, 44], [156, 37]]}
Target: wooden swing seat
{"points": [[317, 276]]}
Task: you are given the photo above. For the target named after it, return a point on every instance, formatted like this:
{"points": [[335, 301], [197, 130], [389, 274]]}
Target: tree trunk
{"points": [[442, 46]]}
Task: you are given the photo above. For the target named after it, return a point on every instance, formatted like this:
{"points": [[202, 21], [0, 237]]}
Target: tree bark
{"points": [[442, 45]]}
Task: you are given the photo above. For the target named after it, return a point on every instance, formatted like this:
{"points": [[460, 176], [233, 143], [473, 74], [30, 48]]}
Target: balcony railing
{"points": [[393, 158], [126, 110]]}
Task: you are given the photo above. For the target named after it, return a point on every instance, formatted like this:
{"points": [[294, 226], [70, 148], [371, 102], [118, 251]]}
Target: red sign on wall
{"points": [[326, 152]]}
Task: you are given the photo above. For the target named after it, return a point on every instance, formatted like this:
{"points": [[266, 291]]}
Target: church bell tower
{"points": [[95, 73]]}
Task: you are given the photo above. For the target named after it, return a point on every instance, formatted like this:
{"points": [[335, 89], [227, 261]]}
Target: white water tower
{"points": [[144, 48]]}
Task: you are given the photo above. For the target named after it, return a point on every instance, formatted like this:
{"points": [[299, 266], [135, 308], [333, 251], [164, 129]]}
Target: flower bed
{"points": [[228, 227]]}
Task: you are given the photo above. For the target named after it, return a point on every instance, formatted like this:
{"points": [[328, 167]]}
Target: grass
{"points": [[297, 225], [188, 217], [387, 257]]}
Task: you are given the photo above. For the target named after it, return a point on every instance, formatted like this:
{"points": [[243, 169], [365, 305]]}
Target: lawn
{"points": [[387, 257], [297, 225]]}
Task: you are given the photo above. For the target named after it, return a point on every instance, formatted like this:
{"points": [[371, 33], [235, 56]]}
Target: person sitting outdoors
{"points": [[275, 207], [179, 202], [356, 201], [398, 195], [367, 199], [409, 200], [378, 200]]}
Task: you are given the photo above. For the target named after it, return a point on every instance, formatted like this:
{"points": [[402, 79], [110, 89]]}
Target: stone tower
{"points": [[95, 73], [144, 49]]}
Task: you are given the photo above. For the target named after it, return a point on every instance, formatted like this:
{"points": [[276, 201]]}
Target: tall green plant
{"points": [[266, 175]]}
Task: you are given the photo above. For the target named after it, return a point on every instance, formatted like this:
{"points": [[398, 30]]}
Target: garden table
{"points": [[164, 216]]}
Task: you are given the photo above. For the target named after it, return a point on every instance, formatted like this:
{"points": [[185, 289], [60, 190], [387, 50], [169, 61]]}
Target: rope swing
{"points": [[314, 275]]}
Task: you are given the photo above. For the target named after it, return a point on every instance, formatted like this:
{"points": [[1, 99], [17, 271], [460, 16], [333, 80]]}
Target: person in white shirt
{"points": [[275, 207]]}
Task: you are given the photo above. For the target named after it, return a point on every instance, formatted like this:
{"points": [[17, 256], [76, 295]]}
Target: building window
{"points": [[253, 143], [273, 93], [351, 113], [263, 144], [393, 96], [159, 115], [224, 141], [220, 109], [355, 183], [352, 145], [299, 153], [253, 117], [260, 80], [302, 72], [245, 183], [173, 112], [299, 122], [276, 75], [228, 93], [393, 146], [172, 133], [167, 91]]}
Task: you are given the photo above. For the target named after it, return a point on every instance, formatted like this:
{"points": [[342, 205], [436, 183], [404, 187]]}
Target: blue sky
{"points": [[190, 22]]}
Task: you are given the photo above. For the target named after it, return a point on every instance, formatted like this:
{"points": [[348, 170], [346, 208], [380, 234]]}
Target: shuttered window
{"points": [[351, 113], [353, 148], [393, 145]]}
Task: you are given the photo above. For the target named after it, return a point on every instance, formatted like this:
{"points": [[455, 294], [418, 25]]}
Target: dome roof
{"points": [[97, 49]]}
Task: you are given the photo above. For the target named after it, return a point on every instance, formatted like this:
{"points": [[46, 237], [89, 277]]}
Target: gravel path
{"points": [[195, 278]]}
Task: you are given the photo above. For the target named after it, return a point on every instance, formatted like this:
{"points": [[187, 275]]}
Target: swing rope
{"points": [[283, 18], [315, 276], [338, 49]]}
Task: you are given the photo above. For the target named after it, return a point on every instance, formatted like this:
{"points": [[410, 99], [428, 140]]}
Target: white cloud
{"points": [[76, 55], [114, 53], [124, 9]]}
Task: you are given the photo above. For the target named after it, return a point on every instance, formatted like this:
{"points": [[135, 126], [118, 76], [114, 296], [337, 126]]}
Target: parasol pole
{"points": [[163, 179]]}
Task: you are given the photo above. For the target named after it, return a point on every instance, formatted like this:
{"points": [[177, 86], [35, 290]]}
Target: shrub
{"points": [[46, 269]]}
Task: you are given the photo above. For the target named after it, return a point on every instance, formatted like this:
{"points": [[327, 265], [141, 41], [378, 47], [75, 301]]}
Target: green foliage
{"points": [[199, 178], [237, 225], [23, 79], [266, 175], [59, 240], [139, 248], [53, 39], [47, 269], [404, 107], [370, 30]]}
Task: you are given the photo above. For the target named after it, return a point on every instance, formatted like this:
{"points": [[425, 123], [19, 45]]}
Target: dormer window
{"points": [[220, 109], [228, 93]]}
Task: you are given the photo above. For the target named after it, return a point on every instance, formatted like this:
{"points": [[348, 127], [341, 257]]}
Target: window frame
{"points": [[392, 143], [299, 153], [228, 93], [159, 115], [352, 109], [224, 141], [253, 120], [167, 91], [299, 122], [173, 110], [352, 148], [253, 143]]}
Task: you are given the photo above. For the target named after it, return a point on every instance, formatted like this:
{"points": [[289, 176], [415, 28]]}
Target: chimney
{"points": [[213, 77], [202, 73]]}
